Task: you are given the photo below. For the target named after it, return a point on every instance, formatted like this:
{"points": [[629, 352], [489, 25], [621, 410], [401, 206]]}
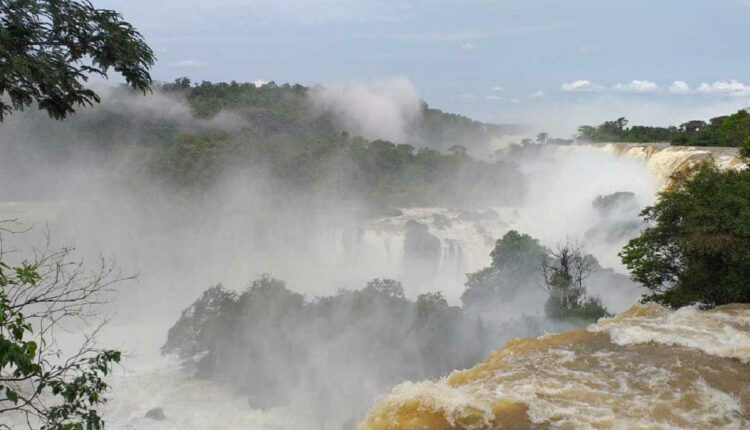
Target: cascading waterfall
{"points": [[663, 159], [455, 243]]}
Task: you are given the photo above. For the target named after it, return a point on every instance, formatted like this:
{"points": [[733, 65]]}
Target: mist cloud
{"points": [[376, 110]]}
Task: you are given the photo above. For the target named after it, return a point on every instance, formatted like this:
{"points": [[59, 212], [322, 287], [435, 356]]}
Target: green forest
{"points": [[275, 130]]}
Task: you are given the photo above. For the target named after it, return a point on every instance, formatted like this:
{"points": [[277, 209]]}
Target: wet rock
{"points": [[420, 243], [156, 414], [615, 204], [618, 217], [440, 221], [473, 216]]}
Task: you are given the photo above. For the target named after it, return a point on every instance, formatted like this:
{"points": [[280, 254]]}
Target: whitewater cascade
{"points": [[646, 368], [427, 248], [664, 159]]}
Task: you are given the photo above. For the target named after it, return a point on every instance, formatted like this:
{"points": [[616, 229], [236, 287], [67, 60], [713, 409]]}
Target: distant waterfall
{"points": [[429, 249]]}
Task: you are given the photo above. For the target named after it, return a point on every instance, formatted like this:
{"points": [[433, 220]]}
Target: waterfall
{"points": [[663, 159], [429, 249]]}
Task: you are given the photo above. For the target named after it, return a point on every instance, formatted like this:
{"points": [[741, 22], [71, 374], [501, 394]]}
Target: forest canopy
{"points": [[276, 131]]}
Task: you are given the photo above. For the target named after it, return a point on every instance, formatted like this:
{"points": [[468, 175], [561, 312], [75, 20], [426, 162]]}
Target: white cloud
{"points": [[730, 88], [468, 46], [536, 94], [680, 87], [188, 64], [497, 89], [515, 101], [493, 97], [581, 85], [637, 86], [259, 83]]}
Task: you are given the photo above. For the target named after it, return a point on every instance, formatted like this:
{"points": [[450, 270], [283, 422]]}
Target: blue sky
{"points": [[549, 62]]}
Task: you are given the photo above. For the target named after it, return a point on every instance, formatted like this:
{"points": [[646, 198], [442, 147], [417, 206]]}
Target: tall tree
{"points": [[50, 48], [697, 249]]}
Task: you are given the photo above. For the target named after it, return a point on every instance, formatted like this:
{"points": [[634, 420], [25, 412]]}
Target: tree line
{"points": [[727, 130]]}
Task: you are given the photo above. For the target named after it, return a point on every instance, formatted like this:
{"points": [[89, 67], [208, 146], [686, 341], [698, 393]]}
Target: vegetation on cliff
{"points": [[190, 137]]}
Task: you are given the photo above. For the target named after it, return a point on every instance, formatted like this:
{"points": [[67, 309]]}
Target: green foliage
{"points": [[517, 252], [442, 130], [745, 151], [75, 387], [618, 131], [194, 160], [49, 48], [564, 272], [734, 129], [698, 247], [271, 343], [519, 262], [728, 130], [278, 133], [378, 171], [515, 263], [589, 309]]}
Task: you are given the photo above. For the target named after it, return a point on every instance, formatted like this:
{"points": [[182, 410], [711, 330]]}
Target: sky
{"points": [[550, 63]]}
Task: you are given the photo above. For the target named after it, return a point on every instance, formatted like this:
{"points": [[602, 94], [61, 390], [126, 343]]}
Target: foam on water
{"points": [[648, 369], [147, 380], [723, 332]]}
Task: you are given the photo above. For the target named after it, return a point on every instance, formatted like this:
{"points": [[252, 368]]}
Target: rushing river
{"points": [[647, 368]]}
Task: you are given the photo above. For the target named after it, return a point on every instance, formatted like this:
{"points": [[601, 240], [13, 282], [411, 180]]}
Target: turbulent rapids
{"points": [[648, 368]]}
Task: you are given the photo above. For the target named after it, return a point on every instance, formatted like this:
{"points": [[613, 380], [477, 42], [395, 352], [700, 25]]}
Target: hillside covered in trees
{"points": [[189, 136]]}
